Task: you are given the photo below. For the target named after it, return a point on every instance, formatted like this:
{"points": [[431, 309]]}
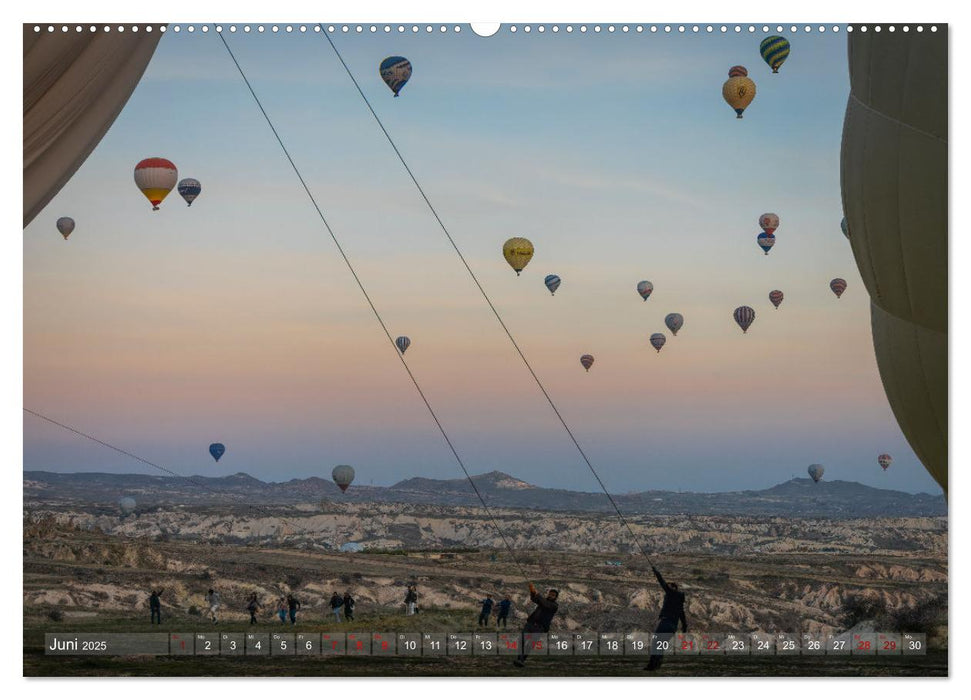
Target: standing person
{"points": [[486, 611], [502, 614], [212, 600], [253, 606], [336, 604], [281, 609], [155, 605], [293, 605], [539, 620], [349, 604], [672, 611], [411, 600]]}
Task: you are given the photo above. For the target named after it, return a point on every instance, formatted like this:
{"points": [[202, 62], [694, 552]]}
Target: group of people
{"points": [[539, 620], [502, 611]]}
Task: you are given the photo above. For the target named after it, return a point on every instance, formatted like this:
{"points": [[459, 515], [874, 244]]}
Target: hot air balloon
{"points": [[838, 286], [658, 340], [769, 222], [395, 72], [552, 283], [586, 361], [738, 90], [894, 181], [674, 322], [816, 472], [744, 315], [217, 450], [644, 288], [774, 50], [127, 504], [65, 225], [885, 461], [156, 177], [343, 476], [402, 342], [844, 228], [776, 297], [189, 188], [765, 241], [518, 252]]}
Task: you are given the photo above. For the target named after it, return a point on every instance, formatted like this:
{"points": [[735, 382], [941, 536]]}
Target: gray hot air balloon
{"points": [[65, 225], [674, 322], [127, 504], [658, 340], [744, 315], [644, 288], [816, 472], [894, 181], [403, 342], [343, 476]]}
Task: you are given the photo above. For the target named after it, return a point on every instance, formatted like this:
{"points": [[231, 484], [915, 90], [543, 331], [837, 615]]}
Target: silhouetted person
{"points": [[281, 609], [336, 604], [293, 605], [212, 600], [486, 611], [411, 600], [155, 605], [672, 612], [349, 604], [539, 620], [502, 613], [253, 606]]}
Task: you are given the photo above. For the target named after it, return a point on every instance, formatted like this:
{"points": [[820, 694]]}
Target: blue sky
{"points": [[235, 320]]}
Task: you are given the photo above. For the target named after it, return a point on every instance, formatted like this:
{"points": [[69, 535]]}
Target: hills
{"points": [[794, 498]]}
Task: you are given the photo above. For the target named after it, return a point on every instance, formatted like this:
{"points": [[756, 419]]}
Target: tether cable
{"points": [[486, 296], [374, 309]]}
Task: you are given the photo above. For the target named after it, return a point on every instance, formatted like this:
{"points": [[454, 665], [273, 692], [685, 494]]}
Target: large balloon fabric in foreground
{"points": [[894, 180], [816, 472], [66, 226], [395, 72], [744, 315], [586, 361], [517, 252], [343, 476], [738, 90], [774, 50], [156, 177], [217, 450]]}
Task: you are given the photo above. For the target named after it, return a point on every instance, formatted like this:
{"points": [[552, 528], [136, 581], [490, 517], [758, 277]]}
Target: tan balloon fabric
{"points": [[894, 181], [75, 85]]}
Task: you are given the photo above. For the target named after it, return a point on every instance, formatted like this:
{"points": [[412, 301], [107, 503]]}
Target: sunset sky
{"points": [[236, 320]]}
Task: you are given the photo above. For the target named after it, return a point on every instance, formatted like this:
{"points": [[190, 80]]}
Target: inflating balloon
{"points": [[343, 476], [517, 252], [189, 188], [65, 225], [774, 50], [127, 504], [776, 297], [657, 341], [586, 361], [885, 461], [552, 283], [645, 288], [744, 315], [674, 322], [403, 342], [395, 72], [217, 450], [769, 222], [816, 472], [765, 241], [838, 286], [156, 177], [738, 90]]}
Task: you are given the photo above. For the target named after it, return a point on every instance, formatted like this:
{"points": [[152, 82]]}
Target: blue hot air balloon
{"points": [[189, 188], [217, 450], [766, 241], [395, 72], [552, 283]]}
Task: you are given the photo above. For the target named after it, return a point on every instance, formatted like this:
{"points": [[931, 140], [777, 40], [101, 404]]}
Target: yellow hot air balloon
{"points": [[894, 178], [517, 252], [738, 90], [156, 177]]}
